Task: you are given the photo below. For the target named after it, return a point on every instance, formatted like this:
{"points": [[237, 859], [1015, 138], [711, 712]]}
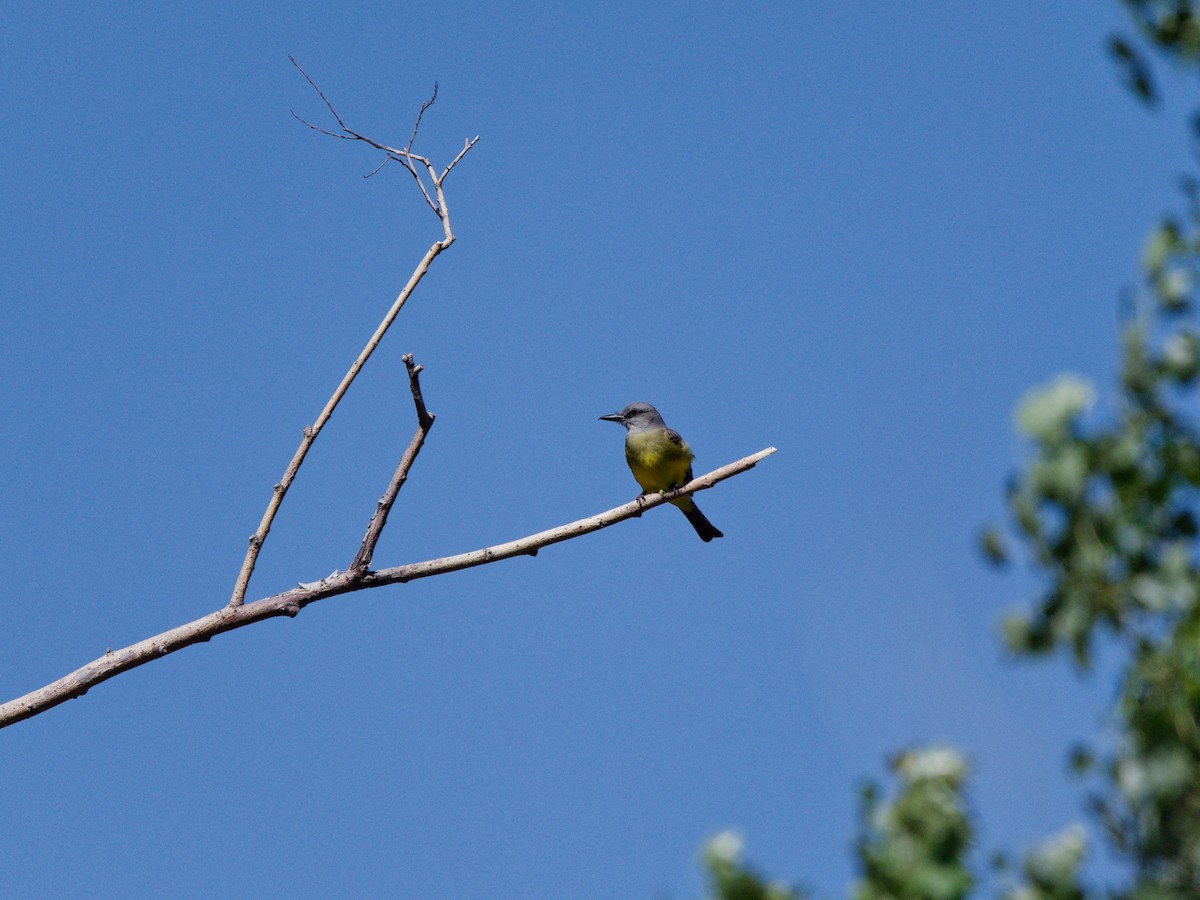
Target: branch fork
{"points": [[405, 157], [311, 431]]}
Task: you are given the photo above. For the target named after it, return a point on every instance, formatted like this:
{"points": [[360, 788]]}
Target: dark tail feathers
{"points": [[704, 528]]}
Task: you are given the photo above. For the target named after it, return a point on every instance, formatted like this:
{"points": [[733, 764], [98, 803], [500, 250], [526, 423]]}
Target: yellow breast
{"points": [[657, 463]]}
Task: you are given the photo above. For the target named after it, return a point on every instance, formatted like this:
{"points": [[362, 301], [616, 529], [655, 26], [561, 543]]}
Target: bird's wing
{"points": [[674, 438]]}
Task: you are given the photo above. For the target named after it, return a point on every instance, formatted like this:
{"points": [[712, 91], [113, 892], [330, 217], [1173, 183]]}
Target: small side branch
{"points": [[417, 124], [289, 603], [362, 559]]}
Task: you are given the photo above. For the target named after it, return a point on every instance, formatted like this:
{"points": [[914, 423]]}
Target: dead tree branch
{"points": [[405, 157], [289, 603], [310, 433], [362, 560]]}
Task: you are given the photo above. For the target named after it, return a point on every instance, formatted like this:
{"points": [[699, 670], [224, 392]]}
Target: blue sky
{"points": [[859, 235]]}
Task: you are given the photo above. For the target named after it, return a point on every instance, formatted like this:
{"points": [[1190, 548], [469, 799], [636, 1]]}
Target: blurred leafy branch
{"points": [[1106, 510], [914, 845]]}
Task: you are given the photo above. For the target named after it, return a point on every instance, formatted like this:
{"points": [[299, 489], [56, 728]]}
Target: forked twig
{"points": [[405, 157]]}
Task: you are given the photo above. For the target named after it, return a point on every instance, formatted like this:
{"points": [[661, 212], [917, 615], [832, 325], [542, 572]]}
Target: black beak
{"points": [[614, 417]]}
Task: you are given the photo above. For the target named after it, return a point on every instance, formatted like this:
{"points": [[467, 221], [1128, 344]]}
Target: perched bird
{"points": [[660, 460]]}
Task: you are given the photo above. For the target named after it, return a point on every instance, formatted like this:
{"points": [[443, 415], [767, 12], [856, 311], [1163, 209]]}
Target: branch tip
{"points": [[374, 171]]}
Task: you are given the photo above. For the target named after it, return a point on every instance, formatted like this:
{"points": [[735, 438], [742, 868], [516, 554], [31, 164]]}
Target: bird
{"points": [[660, 460]]}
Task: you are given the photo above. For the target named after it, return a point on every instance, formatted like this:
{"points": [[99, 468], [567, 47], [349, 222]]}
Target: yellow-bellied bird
{"points": [[660, 460]]}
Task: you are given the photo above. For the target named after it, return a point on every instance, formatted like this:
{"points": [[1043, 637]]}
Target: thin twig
{"points": [[289, 603], [417, 124], [320, 93], [362, 560], [467, 145], [304, 121], [407, 162], [386, 160]]}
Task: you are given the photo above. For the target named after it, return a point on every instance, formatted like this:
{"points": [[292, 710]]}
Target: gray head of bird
{"points": [[637, 416]]}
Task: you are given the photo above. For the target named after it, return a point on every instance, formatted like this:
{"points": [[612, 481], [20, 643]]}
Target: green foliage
{"points": [[1135, 71], [734, 880], [1108, 515], [1051, 870], [1171, 25], [914, 845], [993, 546], [1152, 809]]}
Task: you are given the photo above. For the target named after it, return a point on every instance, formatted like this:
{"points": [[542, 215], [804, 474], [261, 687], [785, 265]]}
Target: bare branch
{"points": [[421, 184], [362, 559], [405, 157], [417, 124], [289, 603], [410, 156], [529, 546], [320, 93], [467, 145], [437, 184], [386, 160], [424, 416], [311, 432], [304, 121]]}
